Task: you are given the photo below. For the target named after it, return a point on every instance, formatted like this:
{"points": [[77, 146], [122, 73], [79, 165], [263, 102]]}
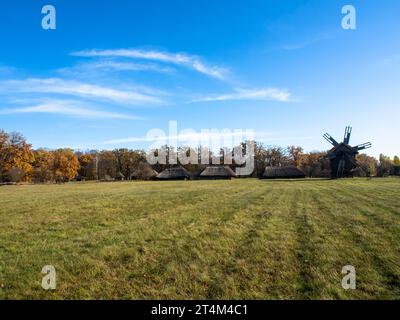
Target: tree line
{"points": [[19, 162]]}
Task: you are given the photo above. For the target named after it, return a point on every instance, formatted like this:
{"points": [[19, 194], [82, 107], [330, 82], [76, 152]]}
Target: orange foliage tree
{"points": [[16, 157], [43, 166], [65, 165], [87, 163]]}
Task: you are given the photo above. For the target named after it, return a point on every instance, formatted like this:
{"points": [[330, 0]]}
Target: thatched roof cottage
{"points": [[144, 173], [174, 173], [217, 172], [287, 172]]}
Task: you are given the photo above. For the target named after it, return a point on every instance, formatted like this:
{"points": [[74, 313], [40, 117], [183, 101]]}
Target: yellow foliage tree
{"points": [[43, 166], [65, 166], [87, 163], [16, 157]]}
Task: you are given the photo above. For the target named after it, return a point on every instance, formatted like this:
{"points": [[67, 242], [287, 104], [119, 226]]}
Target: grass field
{"points": [[241, 239]]}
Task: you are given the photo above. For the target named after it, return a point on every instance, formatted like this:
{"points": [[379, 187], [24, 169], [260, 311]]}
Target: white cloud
{"points": [[189, 135], [68, 108], [182, 59], [213, 139], [308, 42], [129, 66], [111, 65], [264, 94], [75, 88]]}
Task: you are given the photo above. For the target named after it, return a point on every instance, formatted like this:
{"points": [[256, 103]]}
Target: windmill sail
{"points": [[328, 138], [347, 134], [363, 146]]}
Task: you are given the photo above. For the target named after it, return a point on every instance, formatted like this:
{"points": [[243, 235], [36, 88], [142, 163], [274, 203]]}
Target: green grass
{"points": [[240, 239]]}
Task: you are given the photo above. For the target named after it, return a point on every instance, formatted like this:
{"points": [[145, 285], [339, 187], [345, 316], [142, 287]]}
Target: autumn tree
{"points": [[294, 154], [315, 164], [16, 155], [3, 152], [385, 166], [128, 161], [107, 165], [66, 165], [260, 159], [396, 168], [87, 163], [367, 164], [43, 166], [276, 156]]}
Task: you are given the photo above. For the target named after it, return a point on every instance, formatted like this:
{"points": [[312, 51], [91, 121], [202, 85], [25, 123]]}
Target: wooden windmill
{"points": [[343, 156]]}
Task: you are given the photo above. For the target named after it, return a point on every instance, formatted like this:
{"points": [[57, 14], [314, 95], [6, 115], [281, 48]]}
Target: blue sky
{"points": [[113, 70]]}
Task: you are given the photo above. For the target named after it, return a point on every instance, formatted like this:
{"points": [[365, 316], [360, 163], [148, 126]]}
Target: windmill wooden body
{"points": [[343, 156]]}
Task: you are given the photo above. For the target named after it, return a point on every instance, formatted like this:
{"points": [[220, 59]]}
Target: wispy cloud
{"points": [[69, 108], [75, 88], [213, 139], [187, 136], [111, 65], [182, 59], [264, 94], [195, 138], [305, 43]]}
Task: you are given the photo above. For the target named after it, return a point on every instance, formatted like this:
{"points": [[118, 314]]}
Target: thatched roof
{"points": [[216, 172], [175, 173], [151, 173], [287, 172]]}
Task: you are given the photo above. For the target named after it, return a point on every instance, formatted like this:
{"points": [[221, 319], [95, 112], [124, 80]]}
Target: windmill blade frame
{"points": [[363, 146], [347, 134], [329, 138]]}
